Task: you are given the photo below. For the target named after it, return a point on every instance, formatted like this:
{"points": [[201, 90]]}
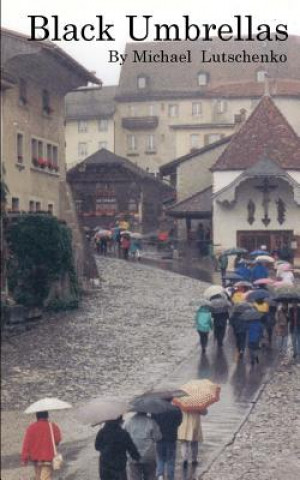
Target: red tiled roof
{"points": [[277, 87], [266, 133]]}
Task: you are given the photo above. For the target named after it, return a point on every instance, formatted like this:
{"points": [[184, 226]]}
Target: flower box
{"points": [[56, 168], [42, 162], [50, 164]]}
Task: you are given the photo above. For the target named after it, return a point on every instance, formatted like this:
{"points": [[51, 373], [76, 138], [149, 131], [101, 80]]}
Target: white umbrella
{"points": [[212, 291], [264, 259], [46, 404], [136, 235]]}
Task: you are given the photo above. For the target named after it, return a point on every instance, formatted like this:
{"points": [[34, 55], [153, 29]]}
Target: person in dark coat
{"points": [[239, 328], [166, 447], [259, 271], [255, 333], [220, 324], [113, 443]]}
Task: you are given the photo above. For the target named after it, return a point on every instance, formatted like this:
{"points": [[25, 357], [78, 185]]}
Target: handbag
{"points": [[57, 459]]}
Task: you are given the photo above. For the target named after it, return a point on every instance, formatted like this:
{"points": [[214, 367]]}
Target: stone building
{"points": [[37, 77], [166, 110], [89, 122], [107, 187]]}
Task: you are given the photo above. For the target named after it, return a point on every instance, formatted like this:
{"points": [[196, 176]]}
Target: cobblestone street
{"points": [[126, 336], [268, 445], [135, 332]]}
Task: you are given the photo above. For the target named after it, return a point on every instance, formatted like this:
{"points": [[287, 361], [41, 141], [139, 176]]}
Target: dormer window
{"points": [[203, 79], [46, 102], [142, 82], [260, 76]]}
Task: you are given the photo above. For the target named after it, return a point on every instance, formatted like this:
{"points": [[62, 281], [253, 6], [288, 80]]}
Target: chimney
{"points": [[239, 119]]}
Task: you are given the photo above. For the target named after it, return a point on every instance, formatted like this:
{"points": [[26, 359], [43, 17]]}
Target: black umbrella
{"points": [[151, 405], [219, 305], [259, 294], [240, 308], [287, 297], [234, 251], [251, 314], [231, 276]]}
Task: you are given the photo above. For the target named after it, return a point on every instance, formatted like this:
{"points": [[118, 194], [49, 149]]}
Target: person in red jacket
{"points": [[38, 446]]}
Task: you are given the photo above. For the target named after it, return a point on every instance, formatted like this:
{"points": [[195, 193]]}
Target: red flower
{"points": [[42, 162]]}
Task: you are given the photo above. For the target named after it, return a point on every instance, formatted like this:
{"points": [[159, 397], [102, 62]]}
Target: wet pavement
{"points": [[133, 333]]}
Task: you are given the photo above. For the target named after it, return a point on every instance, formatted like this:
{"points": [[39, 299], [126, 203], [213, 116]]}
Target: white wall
{"points": [[227, 220]]}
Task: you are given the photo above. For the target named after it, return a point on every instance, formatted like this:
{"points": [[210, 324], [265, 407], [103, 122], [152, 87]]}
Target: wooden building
{"points": [[107, 187]]}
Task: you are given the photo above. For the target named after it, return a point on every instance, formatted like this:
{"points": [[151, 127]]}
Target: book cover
{"points": [[165, 138]]}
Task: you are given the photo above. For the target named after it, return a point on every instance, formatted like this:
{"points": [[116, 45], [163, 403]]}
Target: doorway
{"points": [[273, 239]]}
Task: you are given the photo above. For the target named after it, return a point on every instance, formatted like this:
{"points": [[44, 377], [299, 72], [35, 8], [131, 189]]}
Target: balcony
{"points": [[140, 123]]}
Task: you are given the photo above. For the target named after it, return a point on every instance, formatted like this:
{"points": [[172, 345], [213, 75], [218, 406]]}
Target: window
{"points": [[20, 144], [197, 109], [50, 208], [55, 156], [34, 151], [103, 125], [40, 148], [49, 153], [194, 139], [173, 110], [203, 78], [37, 206], [78, 206], [221, 106], [142, 82], [82, 149], [131, 143], [31, 206], [82, 126], [152, 110], [15, 204], [102, 145], [260, 76], [22, 92], [132, 110], [211, 138], [46, 102], [150, 143]]}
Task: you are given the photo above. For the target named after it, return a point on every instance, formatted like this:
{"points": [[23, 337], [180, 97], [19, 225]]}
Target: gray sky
{"points": [[94, 55]]}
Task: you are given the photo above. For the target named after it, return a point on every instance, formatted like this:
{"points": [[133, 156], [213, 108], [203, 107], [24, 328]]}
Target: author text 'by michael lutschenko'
{"points": [[186, 56]]}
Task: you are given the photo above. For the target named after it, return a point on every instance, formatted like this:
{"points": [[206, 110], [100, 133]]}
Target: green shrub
{"points": [[40, 253]]}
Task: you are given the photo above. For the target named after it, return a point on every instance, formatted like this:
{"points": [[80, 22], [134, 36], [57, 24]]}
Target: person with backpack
{"points": [[204, 324]]}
